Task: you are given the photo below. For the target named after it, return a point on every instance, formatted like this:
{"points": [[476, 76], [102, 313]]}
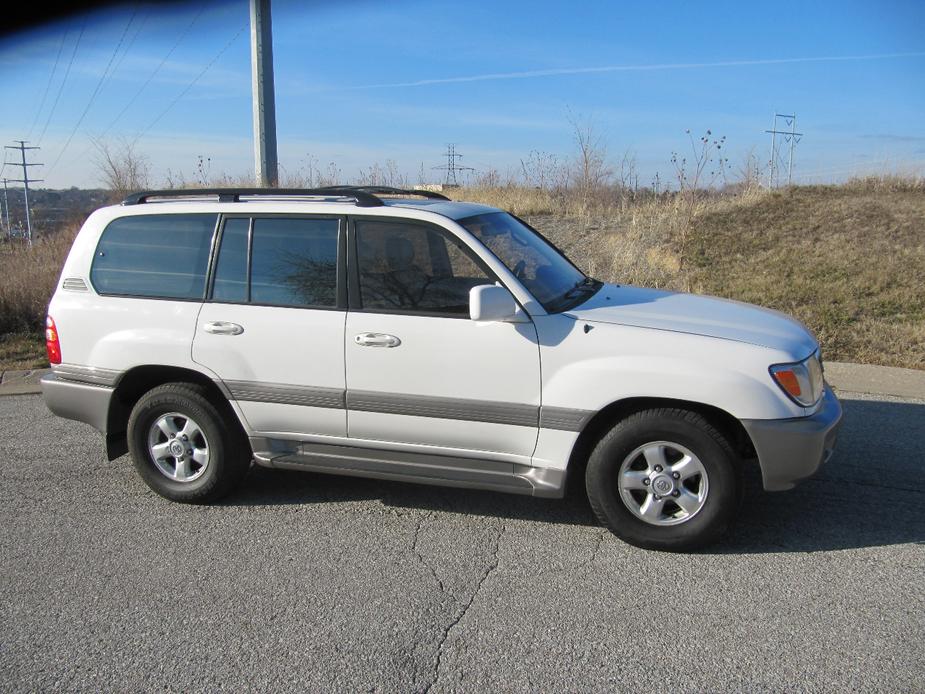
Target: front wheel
{"points": [[664, 479], [182, 445]]}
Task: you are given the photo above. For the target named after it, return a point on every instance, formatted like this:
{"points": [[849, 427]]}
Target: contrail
{"points": [[530, 74]]}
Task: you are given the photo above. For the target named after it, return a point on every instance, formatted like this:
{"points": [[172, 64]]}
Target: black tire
{"points": [[694, 432], [229, 450]]}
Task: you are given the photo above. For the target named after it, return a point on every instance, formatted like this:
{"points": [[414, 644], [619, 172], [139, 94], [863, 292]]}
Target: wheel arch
{"points": [[607, 417], [139, 380]]}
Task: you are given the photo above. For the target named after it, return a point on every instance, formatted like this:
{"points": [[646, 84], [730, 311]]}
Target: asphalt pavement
{"points": [[318, 583]]}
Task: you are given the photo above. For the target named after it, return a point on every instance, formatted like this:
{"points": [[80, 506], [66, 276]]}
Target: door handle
{"points": [[220, 327], [376, 340]]}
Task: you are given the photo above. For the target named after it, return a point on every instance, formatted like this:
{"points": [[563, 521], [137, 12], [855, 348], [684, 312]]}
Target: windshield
{"points": [[544, 271]]}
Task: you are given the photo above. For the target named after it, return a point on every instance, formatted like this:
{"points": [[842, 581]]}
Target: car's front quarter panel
{"points": [[588, 366]]}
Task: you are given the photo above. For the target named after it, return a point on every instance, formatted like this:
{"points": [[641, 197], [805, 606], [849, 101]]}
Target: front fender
{"points": [[591, 369]]}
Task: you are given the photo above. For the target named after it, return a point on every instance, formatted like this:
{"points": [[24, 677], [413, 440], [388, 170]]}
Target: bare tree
{"points": [[629, 176], [543, 170], [121, 167], [591, 173]]}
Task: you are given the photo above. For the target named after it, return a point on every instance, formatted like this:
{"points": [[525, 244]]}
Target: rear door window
{"points": [[158, 256], [278, 261]]}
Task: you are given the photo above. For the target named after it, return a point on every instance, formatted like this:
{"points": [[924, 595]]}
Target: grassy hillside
{"points": [[848, 260]]}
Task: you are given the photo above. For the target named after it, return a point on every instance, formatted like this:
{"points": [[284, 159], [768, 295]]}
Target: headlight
{"points": [[802, 381]]}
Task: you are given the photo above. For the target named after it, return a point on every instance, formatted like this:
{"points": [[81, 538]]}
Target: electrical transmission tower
{"points": [[789, 138], [6, 212], [451, 167], [25, 180]]}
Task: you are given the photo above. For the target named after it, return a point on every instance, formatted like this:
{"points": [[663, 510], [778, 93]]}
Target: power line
{"points": [[163, 62], [51, 77], [131, 41], [63, 82], [190, 85], [96, 91]]}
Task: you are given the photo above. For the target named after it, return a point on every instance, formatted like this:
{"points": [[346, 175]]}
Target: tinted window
{"points": [[294, 262], [411, 267], [164, 255], [549, 276], [231, 268]]}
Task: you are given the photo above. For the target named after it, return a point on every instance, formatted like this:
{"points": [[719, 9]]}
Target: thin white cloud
{"points": [[531, 74]]}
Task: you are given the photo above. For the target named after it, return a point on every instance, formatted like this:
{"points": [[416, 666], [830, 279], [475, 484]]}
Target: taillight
{"points": [[52, 343]]}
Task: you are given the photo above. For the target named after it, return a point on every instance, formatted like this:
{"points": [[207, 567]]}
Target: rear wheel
{"points": [[664, 479], [183, 446]]}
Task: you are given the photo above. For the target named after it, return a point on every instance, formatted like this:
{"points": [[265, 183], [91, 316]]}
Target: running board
{"points": [[403, 466]]}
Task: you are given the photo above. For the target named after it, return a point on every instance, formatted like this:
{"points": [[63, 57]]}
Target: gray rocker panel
{"points": [[447, 471]]}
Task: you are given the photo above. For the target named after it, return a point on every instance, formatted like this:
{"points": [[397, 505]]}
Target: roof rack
{"points": [[389, 190], [363, 196]]}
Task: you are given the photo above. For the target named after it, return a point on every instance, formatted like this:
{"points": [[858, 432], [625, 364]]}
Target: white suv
{"points": [[342, 331]]}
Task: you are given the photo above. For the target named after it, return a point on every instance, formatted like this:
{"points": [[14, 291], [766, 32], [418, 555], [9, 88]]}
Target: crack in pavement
{"points": [[420, 557], [492, 565]]}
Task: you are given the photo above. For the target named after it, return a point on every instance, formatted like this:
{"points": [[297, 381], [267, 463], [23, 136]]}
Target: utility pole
{"points": [[792, 137], [25, 180], [452, 167], [266, 166], [6, 212]]}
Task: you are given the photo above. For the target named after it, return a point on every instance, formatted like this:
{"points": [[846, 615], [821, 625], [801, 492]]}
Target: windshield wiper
{"points": [[579, 292], [582, 286]]}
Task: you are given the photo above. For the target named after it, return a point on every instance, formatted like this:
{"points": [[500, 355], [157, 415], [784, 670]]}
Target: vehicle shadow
{"points": [[871, 494]]}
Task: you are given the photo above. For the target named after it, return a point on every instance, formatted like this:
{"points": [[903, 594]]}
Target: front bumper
{"points": [[80, 401], [790, 450]]}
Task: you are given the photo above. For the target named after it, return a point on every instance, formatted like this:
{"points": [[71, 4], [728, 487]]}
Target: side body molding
{"points": [[511, 413]]}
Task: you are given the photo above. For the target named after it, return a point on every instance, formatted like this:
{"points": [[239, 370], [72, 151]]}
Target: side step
{"points": [[421, 468]]}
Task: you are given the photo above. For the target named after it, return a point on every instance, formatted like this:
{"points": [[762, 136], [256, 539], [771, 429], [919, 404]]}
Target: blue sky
{"points": [[365, 82]]}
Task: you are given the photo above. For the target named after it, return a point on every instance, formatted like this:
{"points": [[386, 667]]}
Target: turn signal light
{"points": [[52, 343], [789, 382], [802, 381]]}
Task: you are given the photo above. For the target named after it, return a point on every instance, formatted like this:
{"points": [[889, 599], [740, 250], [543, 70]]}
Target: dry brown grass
{"points": [[23, 351], [27, 280], [847, 260]]}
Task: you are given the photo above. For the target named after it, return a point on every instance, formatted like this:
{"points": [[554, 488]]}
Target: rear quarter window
{"points": [[158, 256]]}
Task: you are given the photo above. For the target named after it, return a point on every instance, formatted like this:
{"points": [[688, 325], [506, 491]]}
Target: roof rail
{"points": [[364, 196], [389, 190], [361, 198]]}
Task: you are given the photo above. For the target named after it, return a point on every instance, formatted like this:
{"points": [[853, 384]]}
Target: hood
{"points": [[697, 315]]}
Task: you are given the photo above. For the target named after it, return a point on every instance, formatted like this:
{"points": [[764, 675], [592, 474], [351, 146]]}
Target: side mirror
{"points": [[491, 302]]}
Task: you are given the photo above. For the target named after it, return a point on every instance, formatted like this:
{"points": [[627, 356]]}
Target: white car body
{"points": [[498, 405]]}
